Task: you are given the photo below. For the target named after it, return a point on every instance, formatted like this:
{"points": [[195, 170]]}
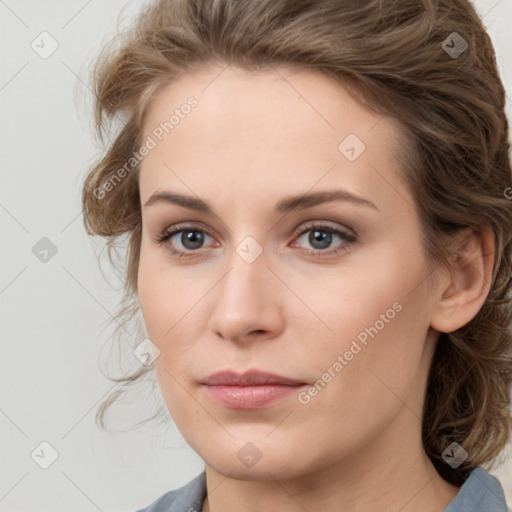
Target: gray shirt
{"points": [[481, 492]]}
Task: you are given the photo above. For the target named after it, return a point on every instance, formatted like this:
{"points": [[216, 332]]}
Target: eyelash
{"points": [[346, 237]]}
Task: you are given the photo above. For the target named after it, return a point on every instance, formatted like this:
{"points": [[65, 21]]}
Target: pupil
{"points": [[320, 236], [194, 238]]}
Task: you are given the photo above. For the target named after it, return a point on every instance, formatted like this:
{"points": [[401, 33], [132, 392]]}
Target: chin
{"points": [[261, 460]]}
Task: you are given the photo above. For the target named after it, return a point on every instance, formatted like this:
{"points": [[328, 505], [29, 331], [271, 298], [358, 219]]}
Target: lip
{"points": [[249, 378], [250, 390]]}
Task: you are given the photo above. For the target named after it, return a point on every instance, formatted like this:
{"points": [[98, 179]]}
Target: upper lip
{"points": [[249, 378]]}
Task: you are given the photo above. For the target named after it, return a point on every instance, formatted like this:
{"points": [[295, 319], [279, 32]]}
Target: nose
{"points": [[247, 302]]}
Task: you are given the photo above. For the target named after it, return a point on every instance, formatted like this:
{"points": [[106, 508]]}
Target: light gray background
{"points": [[54, 315]]}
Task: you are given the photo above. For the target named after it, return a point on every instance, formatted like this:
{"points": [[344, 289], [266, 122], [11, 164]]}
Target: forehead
{"points": [[266, 129], [258, 99]]}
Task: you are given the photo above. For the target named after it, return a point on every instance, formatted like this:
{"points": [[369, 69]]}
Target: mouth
{"points": [[253, 389]]}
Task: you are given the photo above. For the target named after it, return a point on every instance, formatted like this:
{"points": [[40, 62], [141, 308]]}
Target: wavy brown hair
{"points": [[394, 58]]}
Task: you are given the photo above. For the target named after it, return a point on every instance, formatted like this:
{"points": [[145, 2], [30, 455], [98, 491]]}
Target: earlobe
{"points": [[470, 280]]}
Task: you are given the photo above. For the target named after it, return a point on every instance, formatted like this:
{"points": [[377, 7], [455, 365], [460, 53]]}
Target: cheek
{"points": [[164, 294], [379, 321], [364, 302], [356, 397], [164, 302]]}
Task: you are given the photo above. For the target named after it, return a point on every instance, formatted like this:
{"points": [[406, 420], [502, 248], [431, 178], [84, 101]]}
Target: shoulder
{"points": [[481, 492], [188, 498]]}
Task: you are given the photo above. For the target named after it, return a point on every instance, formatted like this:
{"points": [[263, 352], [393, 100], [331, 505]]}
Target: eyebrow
{"points": [[285, 205]]}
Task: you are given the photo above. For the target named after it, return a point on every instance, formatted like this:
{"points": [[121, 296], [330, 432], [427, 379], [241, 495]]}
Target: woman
{"points": [[317, 199]]}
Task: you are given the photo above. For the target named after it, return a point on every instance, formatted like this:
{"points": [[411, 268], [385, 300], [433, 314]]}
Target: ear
{"points": [[463, 293]]}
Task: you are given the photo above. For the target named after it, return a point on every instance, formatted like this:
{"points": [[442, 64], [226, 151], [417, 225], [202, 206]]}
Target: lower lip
{"points": [[250, 397]]}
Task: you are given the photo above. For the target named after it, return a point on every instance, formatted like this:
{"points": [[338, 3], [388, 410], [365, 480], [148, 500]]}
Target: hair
{"points": [[455, 159]]}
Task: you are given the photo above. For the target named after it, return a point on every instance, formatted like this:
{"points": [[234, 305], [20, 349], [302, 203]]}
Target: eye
{"points": [[321, 237], [183, 239]]}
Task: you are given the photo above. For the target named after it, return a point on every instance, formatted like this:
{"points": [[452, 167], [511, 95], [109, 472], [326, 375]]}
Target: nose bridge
{"points": [[247, 274], [246, 258], [243, 303]]}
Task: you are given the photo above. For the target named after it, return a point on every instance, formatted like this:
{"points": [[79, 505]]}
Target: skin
{"points": [[254, 138]]}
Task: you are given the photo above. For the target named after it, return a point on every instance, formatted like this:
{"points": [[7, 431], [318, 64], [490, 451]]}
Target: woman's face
{"points": [[332, 294]]}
